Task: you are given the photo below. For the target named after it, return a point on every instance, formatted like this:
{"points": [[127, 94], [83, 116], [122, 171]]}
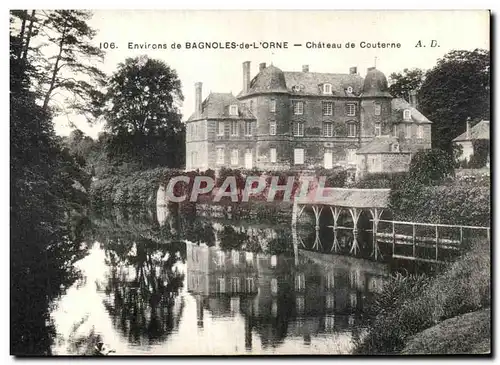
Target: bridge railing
{"points": [[425, 241]]}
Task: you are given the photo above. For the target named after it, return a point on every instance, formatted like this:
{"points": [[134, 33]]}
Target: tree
{"points": [[404, 82], [457, 88], [68, 65], [431, 167], [43, 202], [142, 114]]}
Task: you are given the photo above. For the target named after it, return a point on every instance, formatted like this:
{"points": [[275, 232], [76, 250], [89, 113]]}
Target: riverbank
{"points": [[410, 305], [465, 334]]}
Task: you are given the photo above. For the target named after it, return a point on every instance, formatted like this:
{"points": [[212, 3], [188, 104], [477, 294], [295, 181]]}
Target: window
{"points": [[248, 128], [222, 284], [408, 130], [327, 88], [328, 129], [274, 285], [220, 155], [235, 257], [300, 281], [272, 128], [234, 157], [234, 128], [351, 110], [298, 129], [352, 130], [220, 129], [327, 108], [221, 258], [273, 260], [233, 110], [251, 106], [272, 106], [395, 147], [407, 114], [378, 129], [250, 287], [249, 257], [330, 301], [298, 107], [351, 155], [298, 156], [330, 280], [395, 130], [349, 90], [235, 284], [378, 109], [195, 131], [272, 155], [420, 131]]}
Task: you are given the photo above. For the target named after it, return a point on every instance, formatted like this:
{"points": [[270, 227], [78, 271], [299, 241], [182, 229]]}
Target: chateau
{"points": [[304, 120]]}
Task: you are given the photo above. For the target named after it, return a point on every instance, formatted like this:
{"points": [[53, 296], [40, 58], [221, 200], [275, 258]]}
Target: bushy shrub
{"points": [[381, 180], [408, 305], [431, 167], [457, 202], [481, 152], [335, 178]]}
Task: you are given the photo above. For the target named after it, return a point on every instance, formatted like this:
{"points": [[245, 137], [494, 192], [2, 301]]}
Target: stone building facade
{"points": [[304, 120]]}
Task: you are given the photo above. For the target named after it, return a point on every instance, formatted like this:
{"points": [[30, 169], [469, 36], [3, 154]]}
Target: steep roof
{"points": [[480, 131], [375, 84], [272, 80], [310, 83], [399, 104], [383, 144], [216, 106], [347, 197]]}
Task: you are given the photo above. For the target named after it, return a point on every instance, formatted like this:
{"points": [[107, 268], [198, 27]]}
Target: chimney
{"points": [[305, 68], [262, 66], [467, 128], [413, 98], [246, 76], [197, 100], [353, 70]]}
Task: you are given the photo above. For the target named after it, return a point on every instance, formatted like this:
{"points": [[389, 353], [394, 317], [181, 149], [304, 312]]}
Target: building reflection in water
{"points": [[278, 297]]}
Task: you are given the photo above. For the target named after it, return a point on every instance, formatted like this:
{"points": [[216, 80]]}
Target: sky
{"points": [[220, 70]]}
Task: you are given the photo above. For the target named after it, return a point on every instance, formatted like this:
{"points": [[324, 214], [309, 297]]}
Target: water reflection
{"points": [[191, 285]]}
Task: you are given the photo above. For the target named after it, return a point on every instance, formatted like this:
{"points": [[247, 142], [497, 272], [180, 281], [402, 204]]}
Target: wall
{"points": [[467, 149]]}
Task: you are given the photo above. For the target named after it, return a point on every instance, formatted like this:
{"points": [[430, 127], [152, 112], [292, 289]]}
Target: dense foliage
{"points": [[431, 167], [142, 114], [140, 188], [410, 304], [402, 83], [456, 89], [47, 200], [456, 202]]}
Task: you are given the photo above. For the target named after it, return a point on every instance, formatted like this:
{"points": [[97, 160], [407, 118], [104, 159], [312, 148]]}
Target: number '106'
{"points": [[107, 45]]}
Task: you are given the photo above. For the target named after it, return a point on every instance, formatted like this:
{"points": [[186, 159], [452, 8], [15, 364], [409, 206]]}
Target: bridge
{"points": [[401, 235]]}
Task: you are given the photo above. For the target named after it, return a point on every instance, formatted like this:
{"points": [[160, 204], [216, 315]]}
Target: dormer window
{"points": [[395, 147], [233, 110], [407, 114], [349, 90], [327, 88]]}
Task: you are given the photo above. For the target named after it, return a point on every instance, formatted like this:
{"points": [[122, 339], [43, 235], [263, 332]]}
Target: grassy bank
{"points": [[466, 334], [411, 304]]}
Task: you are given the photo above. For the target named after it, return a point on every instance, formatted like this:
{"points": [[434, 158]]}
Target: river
{"points": [[169, 283]]}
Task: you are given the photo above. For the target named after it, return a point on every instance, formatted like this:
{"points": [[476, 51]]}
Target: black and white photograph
{"points": [[250, 182]]}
